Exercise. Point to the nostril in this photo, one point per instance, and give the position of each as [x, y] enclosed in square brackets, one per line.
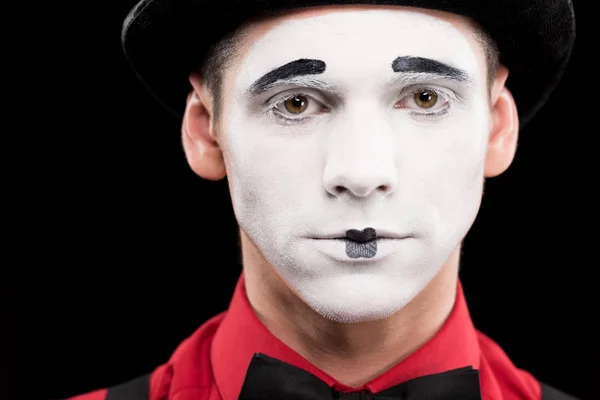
[339, 189]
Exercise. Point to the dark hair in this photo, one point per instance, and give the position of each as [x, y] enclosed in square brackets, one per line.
[216, 61]
[220, 55]
[490, 48]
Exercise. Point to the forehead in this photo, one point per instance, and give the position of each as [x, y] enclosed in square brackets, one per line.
[357, 42]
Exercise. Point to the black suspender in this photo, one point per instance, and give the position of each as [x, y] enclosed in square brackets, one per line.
[551, 393]
[135, 389]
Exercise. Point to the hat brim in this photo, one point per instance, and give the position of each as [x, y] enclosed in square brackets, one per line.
[535, 39]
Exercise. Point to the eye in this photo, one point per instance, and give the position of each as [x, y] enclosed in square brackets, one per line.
[425, 100]
[296, 104]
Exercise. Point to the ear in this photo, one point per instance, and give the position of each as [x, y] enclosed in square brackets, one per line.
[504, 132]
[202, 150]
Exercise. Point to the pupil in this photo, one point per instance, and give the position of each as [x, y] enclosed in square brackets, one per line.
[297, 102]
[425, 97]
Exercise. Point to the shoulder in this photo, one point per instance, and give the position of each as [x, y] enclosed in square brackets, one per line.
[514, 383]
[188, 367]
[142, 387]
[94, 395]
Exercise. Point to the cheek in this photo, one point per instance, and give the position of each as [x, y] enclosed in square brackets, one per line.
[269, 170]
[452, 177]
[441, 164]
[460, 162]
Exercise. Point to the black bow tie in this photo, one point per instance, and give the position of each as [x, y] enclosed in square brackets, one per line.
[271, 379]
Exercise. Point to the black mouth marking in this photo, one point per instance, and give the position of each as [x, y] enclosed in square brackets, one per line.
[361, 236]
[361, 243]
[358, 250]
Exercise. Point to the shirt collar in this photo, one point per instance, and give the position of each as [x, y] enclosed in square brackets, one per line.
[241, 334]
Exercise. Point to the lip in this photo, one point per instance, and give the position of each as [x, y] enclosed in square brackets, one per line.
[335, 249]
[341, 234]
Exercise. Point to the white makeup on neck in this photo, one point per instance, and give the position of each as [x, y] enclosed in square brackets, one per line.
[362, 153]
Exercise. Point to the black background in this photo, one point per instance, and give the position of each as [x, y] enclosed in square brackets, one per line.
[108, 264]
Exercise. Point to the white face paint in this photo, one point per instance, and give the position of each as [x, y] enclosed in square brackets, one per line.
[364, 156]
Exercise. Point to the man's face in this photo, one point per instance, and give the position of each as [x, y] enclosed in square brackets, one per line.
[378, 118]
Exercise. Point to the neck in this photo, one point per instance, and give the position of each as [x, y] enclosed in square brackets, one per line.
[355, 353]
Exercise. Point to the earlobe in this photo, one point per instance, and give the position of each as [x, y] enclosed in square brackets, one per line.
[202, 150]
[504, 130]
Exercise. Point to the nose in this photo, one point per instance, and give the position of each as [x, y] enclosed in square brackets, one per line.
[360, 156]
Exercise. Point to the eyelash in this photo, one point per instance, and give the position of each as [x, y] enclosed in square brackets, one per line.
[449, 96]
[272, 105]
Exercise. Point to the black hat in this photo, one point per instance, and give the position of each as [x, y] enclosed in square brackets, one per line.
[535, 39]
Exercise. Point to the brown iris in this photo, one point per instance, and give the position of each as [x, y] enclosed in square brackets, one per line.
[296, 104]
[426, 98]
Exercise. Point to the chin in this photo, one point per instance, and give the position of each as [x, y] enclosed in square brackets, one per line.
[347, 314]
[358, 298]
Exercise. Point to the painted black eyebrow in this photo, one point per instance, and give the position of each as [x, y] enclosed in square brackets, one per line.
[411, 64]
[290, 70]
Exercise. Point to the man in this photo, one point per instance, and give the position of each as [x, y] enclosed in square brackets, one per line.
[356, 139]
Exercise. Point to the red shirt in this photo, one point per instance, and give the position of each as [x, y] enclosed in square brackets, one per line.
[211, 364]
